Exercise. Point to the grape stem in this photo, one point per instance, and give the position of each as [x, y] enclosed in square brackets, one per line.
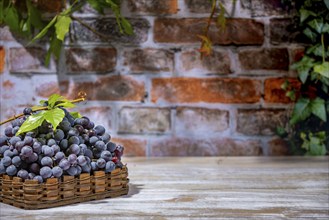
[35, 110]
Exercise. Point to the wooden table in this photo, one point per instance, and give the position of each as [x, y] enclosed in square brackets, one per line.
[208, 187]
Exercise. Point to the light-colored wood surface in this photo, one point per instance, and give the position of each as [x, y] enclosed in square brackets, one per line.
[208, 187]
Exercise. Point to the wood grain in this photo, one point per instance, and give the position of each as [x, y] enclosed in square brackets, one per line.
[208, 187]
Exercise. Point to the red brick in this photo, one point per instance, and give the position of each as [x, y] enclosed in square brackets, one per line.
[284, 30]
[47, 89]
[296, 54]
[114, 88]
[195, 121]
[144, 120]
[133, 147]
[153, 7]
[205, 147]
[28, 59]
[278, 147]
[266, 59]
[213, 90]
[198, 6]
[275, 94]
[261, 8]
[218, 62]
[260, 121]
[51, 6]
[100, 115]
[149, 60]
[2, 59]
[238, 31]
[100, 60]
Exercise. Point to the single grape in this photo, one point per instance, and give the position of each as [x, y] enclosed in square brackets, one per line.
[85, 121]
[19, 145]
[39, 178]
[34, 168]
[27, 111]
[79, 128]
[106, 155]
[100, 130]
[31, 176]
[64, 144]
[64, 164]
[16, 161]
[55, 148]
[91, 133]
[82, 160]
[100, 145]
[106, 137]
[72, 171]
[77, 121]
[51, 142]
[23, 174]
[28, 140]
[14, 130]
[11, 170]
[110, 146]
[47, 161]
[57, 171]
[6, 161]
[8, 131]
[48, 151]
[119, 164]
[91, 125]
[13, 140]
[59, 134]
[88, 153]
[45, 172]
[83, 149]
[37, 147]
[8, 153]
[2, 168]
[85, 137]
[93, 140]
[3, 148]
[32, 158]
[59, 156]
[26, 151]
[86, 168]
[96, 153]
[93, 166]
[74, 140]
[79, 170]
[72, 158]
[73, 132]
[65, 126]
[109, 167]
[101, 163]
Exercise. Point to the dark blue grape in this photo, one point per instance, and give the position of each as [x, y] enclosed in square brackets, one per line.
[27, 111]
[73, 132]
[11, 170]
[82, 160]
[74, 140]
[2, 168]
[8, 153]
[28, 140]
[101, 163]
[59, 156]
[6, 161]
[85, 121]
[14, 130]
[47, 161]
[19, 145]
[3, 141]
[23, 174]
[37, 147]
[100, 145]
[91, 125]
[31, 176]
[32, 158]
[65, 126]
[64, 164]
[93, 166]
[110, 146]
[72, 171]
[106, 155]
[64, 144]
[79, 128]
[74, 149]
[79, 170]
[14, 140]
[72, 158]
[93, 140]
[45, 172]
[34, 168]
[38, 178]
[59, 134]
[48, 151]
[9, 132]
[16, 161]
[89, 153]
[86, 168]
[106, 137]
[100, 130]
[57, 171]
[55, 148]
[51, 142]
[3, 148]
[109, 167]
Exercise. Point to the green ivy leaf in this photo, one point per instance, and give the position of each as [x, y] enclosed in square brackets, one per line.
[62, 26]
[96, 4]
[11, 18]
[34, 15]
[54, 116]
[316, 147]
[304, 14]
[316, 24]
[45, 30]
[303, 67]
[325, 28]
[291, 95]
[327, 3]
[128, 29]
[76, 114]
[318, 108]
[322, 69]
[310, 34]
[302, 110]
[31, 123]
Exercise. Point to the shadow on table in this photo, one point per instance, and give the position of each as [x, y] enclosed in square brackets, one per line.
[134, 189]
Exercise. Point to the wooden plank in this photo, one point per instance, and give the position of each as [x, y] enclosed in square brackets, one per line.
[208, 187]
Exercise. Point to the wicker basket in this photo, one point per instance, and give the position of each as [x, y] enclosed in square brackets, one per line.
[65, 191]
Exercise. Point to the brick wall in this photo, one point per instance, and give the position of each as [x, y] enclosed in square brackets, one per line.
[153, 92]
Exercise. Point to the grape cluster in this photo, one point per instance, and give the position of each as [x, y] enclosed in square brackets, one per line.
[76, 146]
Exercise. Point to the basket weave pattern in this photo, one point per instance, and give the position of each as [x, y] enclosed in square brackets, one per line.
[29, 194]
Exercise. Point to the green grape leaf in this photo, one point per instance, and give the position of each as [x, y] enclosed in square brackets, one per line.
[76, 114]
[53, 99]
[65, 104]
[302, 110]
[54, 116]
[44, 31]
[304, 14]
[95, 4]
[55, 48]
[128, 29]
[11, 18]
[322, 69]
[327, 3]
[318, 108]
[31, 123]
[34, 16]
[316, 24]
[62, 26]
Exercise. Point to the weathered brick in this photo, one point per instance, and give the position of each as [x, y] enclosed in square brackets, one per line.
[275, 94]
[205, 147]
[267, 59]
[296, 54]
[260, 8]
[153, 6]
[198, 6]
[149, 60]
[100, 115]
[29, 59]
[133, 147]
[218, 62]
[47, 89]
[195, 121]
[109, 29]
[100, 60]
[144, 120]
[284, 30]
[260, 121]
[278, 147]
[2, 59]
[114, 88]
[186, 30]
[50, 6]
[213, 90]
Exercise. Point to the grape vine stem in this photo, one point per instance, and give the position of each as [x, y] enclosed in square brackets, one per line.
[35, 110]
